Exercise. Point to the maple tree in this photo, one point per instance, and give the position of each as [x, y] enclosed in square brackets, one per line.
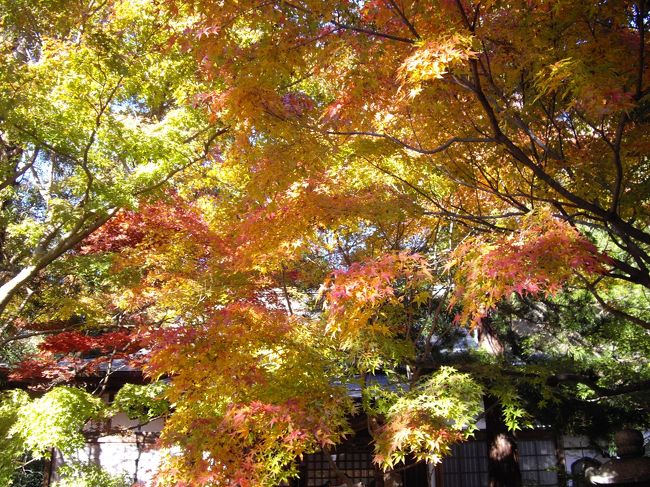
[449, 110]
[462, 112]
[97, 113]
[113, 126]
[426, 165]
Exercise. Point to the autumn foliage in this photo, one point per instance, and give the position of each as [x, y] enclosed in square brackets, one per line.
[539, 258]
[265, 204]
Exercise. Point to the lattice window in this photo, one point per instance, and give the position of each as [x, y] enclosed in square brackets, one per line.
[467, 466]
[357, 464]
[537, 462]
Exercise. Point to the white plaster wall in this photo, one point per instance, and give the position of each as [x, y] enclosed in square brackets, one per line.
[130, 450]
[118, 455]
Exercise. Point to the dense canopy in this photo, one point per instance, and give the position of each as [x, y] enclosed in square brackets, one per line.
[259, 204]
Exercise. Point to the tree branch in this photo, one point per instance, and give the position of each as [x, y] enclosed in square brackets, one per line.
[441, 148]
[405, 20]
[371, 32]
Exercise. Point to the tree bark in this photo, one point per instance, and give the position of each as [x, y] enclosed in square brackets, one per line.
[8, 289]
[503, 457]
[67, 242]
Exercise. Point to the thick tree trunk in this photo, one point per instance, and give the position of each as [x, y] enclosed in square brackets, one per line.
[503, 457]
